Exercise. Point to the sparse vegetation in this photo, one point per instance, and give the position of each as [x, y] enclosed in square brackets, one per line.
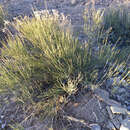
[1, 18]
[118, 18]
[113, 23]
[2, 33]
[40, 66]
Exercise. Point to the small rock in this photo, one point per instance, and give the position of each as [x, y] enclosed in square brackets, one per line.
[120, 118]
[116, 123]
[13, 99]
[111, 126]
[73, 2]
[95, 127]
[125, 125]
[119, 98]
[115, 120]
[121, 90]
[118, 110]
[128, 108]
[112, 103]
[2, 116]
[109, 112]
[124, 83]
[3, 125]
[102, 93]
[109, 82]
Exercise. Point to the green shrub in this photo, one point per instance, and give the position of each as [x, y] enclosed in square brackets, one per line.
[1, 18]
[112, 23]
[93, 22]
[118, 18]
[44, 65]
[3, 35]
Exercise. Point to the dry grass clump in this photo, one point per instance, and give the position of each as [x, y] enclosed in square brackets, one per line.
[118, 18]
[2, 34]
[44, 65]
[112, 22]
[1, 18]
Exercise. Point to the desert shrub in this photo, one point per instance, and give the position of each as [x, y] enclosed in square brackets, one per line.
[1, 18]
[118, 18]
[112, 23]
[44, 65]
[93, 22]
[3, 35]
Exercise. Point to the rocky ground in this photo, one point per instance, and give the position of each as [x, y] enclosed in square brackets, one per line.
[102, 109]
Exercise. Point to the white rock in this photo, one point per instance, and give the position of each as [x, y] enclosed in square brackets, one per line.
[3, 125]
[118, 110]
[73, 2]
[125, 125]
[95, 127]
[124, 83]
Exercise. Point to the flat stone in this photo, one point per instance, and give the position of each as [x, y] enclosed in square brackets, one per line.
[111, 126]
[109, 112]
[112, 102]
[91, 110]
[95, 127]
[116, 123]
[115, 120]
[101, 93]
[40, 126]
[118, 110]
[125, 125]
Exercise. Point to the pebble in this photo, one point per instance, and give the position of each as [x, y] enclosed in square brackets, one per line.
[125, 125]
[95, 127]
[121, 90]
[102, 93]
[73, 2]
[111, 126]
[3, 125]
[128, 108]
[118, 110]
[116, 122]
[109, 82]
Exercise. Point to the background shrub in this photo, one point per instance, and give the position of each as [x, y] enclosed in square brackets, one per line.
[3, 35]
[118, 19]
[1, 18]
[112, 23]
